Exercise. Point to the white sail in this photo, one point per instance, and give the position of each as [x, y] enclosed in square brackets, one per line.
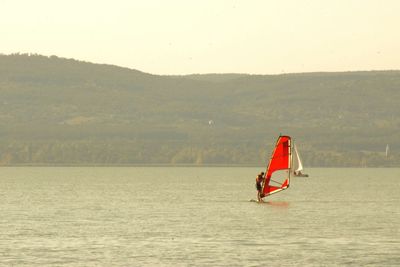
[299, 165]
[387, 150]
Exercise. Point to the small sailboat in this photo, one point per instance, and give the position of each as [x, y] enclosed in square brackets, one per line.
[277, 176]
[297, 164]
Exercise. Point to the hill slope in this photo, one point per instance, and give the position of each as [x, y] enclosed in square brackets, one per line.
[63, 111]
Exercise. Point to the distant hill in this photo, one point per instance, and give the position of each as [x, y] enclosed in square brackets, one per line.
[63, 111]
[214, 77]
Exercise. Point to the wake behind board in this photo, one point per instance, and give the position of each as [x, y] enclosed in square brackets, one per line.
[279, 204]
[256, 201]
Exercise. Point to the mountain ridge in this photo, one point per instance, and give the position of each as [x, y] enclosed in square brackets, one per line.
[50, 105]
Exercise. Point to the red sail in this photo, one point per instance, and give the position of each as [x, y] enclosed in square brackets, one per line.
[280, 160]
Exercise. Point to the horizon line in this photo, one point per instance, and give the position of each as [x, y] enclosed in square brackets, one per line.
[30, 54]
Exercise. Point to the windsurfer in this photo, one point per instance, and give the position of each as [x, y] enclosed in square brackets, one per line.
[259, 182]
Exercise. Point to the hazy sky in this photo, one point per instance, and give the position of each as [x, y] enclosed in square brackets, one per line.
[209, 36]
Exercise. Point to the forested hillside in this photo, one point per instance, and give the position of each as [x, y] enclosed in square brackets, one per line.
[63, 111]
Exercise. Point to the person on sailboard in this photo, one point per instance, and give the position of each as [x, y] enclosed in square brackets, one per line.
[259, 182]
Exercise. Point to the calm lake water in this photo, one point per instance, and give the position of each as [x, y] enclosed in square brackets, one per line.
[197, 217]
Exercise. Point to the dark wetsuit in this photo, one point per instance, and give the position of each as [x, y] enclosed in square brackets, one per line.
[259, 181]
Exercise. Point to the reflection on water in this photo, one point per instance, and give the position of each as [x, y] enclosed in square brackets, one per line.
[196, 217]
[279, 204]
